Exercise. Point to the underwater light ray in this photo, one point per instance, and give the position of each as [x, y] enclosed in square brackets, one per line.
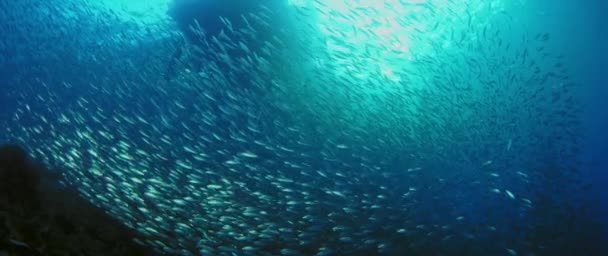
[395, 30]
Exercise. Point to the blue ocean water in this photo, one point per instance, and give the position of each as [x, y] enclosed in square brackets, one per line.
[321, 127]
[580, 33]
[584, 39]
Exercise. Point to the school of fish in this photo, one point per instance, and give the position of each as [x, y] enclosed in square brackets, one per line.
[432, 127]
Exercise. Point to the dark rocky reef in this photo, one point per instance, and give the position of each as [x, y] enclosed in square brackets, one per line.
[38, 216]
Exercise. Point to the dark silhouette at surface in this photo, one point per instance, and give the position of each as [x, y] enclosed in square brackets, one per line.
[205, 14]
[38, 216]
[186, 13]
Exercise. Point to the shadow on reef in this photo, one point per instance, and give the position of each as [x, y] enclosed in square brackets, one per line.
[38, 216]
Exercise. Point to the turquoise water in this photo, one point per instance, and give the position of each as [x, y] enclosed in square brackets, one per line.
[320, 127]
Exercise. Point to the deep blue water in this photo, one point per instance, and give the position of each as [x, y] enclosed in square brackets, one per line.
[585, 40]
[304, 159]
